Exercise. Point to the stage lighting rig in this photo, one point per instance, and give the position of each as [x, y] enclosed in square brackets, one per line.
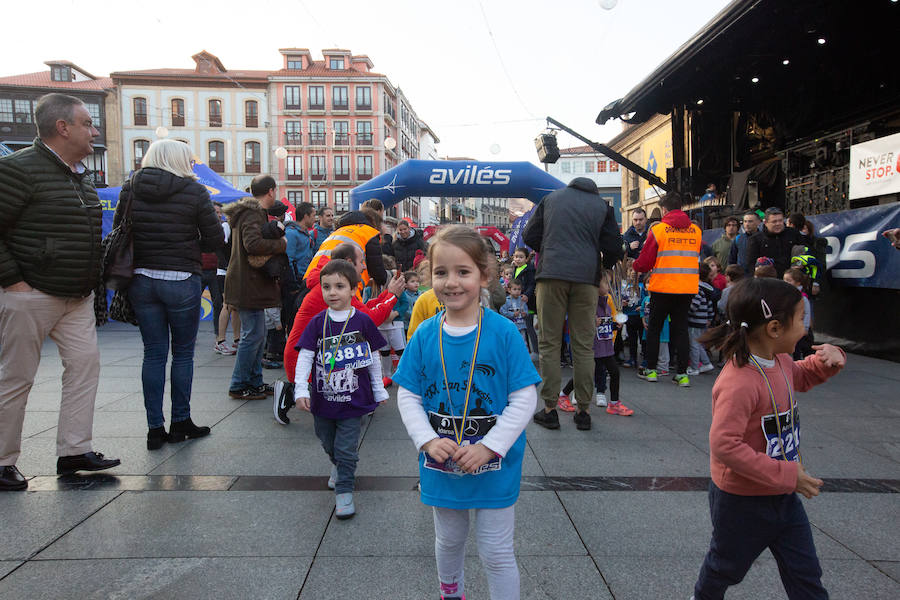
[547, 150]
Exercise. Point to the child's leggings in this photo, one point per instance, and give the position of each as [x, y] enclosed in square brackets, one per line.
[494, 529]
[601, 367]
[635, 331]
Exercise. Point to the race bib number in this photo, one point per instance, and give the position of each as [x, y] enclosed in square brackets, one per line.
[474, 429]
[789, 439]
[353, 351]
[605, 329]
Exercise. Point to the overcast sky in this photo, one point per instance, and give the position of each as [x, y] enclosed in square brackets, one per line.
[483, 74]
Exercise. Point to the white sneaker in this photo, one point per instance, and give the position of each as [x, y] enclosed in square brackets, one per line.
[692, 371]
[332, 479]
[343, 506]
[706, 368]
[600, 399]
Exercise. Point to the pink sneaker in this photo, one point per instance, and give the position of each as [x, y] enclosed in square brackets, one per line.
[224, 348]
[564, 404]
[617, 408]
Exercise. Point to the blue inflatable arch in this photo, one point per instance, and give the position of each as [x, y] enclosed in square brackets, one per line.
[457, 178]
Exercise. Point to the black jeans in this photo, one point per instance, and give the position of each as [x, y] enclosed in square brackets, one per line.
[675, 306]
[744, 526]
[635, 327]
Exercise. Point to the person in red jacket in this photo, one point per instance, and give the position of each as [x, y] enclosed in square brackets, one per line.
[754, 442]
[378, 309]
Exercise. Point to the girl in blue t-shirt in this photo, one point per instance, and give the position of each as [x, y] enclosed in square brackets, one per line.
[467, 391]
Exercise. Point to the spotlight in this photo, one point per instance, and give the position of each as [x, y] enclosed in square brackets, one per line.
[755, 80]
[785, 62]
[821, 41]
[547, 150]
[700, 102]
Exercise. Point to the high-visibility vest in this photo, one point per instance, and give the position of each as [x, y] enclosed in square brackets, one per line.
[358, 235]
[677, 268]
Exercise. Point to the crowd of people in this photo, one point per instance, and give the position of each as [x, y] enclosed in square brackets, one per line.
[347, 311]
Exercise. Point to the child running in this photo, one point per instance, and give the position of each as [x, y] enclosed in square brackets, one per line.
[754, 441]
[347, 382]
[467, 391]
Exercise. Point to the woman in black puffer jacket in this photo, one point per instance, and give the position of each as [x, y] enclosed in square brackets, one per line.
[173, 221]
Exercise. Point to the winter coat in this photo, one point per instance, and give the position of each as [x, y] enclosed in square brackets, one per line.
[405, 249]
[50, 223]
[576, 234]
[775, 246]
[319, 235]
[526, 275]
[299, 247]
[632, 235]
[172, 221]
[246, 287]
[721, 248]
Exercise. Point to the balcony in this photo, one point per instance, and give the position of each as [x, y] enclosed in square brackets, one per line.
[140, 119]
[340, 106]
[177, 120]
[316, 106]
[342, 176]
[217, 166]
[363, 176]
[341, 139]
[363, 139]
[251, 167]
[295, 176]
[251, 122]
[363, 106]
[316, 139]
[293, 138]
[318, 176]
[215, 120]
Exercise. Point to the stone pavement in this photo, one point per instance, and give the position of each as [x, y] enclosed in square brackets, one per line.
[617, 512]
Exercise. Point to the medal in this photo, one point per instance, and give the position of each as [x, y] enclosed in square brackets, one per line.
[791, 404]
[459, 432]
[336, 346]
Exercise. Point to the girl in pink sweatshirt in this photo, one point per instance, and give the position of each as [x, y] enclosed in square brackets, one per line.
[755, 459]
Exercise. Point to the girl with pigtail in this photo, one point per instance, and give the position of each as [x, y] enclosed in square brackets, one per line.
[754, 440]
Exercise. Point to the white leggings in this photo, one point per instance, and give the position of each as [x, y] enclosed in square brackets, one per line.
[494, 529]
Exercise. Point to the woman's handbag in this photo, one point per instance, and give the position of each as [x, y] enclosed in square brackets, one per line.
[118, 250]
[120, 308]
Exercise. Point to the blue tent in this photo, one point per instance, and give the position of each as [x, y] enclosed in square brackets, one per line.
[4, 150]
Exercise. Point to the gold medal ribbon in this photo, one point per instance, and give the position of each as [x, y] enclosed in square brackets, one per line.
[775, 406]
[338, 345]
[458, 432]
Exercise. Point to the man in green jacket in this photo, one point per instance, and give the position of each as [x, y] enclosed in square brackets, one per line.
[50, 220]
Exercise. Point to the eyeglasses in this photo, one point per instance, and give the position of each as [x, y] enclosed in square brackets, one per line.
[84, 204]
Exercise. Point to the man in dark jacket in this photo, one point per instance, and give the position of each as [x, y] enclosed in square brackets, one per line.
[249, 289]
[636, 234]
[775, 241]
[50, 220]
[324, 227]
[576, 235]
[406, 243]
[750, 226]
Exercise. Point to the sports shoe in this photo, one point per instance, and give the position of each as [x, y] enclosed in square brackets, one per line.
[662, 372]
[266, 389]
[617, 408]
[647, 374]
[706, 368]
[343, 506]
[271, 364]
[224, 348]
[332, 478]
[628, 364]
[246, 394]
[564, 404]
[550, 420]
[692, 371]
[582, 420]
[387, 382]
[681, 380]
[600, 399]
[284, 400]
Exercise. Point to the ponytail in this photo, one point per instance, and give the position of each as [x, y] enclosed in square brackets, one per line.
[731, 341]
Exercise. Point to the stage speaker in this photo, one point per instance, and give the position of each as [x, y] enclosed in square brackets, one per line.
[547, 150]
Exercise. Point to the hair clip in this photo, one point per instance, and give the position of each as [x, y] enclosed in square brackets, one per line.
[767, 312]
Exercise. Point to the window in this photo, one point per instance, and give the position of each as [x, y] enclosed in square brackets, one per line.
[140, 149]
[177, 112]
[613, 166]
[140, 111]
[217, 156]
[317, 133]
[295, 198]
[292, 133]
[23, 111]
[341, 133]
[292, 97]
[251, 157]
[363, 98]
[317, 168]
[577, 166]
[317, 97]
[319, 198]
[295, 63]
[251, 113]
[601, 166]
[342, 167]
[6, 110]
[588, 166]
[341, 201]
[339, 98]
[294, 168]
[336, 63]
[93, 109]
[364, 133]
[364, 167]
[215, 113]
[60, 73]
[565, 167]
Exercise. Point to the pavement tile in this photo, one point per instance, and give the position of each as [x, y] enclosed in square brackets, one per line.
[388, 457]
[134, 423]
[200, 524]
[824, 456]
[889, 450]
[7, 566]
[264, 426]
[864, 523]
[892, 568]
[39, 454]
[38, 421]
[49, 400]
[159, 579]
[591, 454]
[857, 579]
[222, 455]
[610, 427]
[853, 428]
[32, 520]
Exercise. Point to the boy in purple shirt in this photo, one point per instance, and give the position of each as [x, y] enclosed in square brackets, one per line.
[346, 384]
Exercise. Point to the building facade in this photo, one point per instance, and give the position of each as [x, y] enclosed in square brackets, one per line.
[19, 94]
[584, 161]
[222, 115]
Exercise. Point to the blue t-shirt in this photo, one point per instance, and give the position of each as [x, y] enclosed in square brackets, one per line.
[348, 391]
[501, 367]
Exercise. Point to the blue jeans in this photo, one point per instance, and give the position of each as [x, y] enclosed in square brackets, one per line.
[340, 439]
[248, 362]
[164, 309]
[744, 526]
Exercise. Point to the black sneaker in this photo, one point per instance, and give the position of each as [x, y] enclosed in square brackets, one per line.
[550, 420]
[246, 394]
[284, 400]
[11, 480]
[265, 389]
[184, 430]
[583, 420]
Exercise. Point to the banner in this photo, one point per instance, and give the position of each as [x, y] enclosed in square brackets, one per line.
[875, 167]
[858, 255]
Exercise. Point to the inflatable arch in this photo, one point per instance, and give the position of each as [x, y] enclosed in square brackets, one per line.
[457, 179]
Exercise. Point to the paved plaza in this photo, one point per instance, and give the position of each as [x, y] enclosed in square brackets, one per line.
[617, 512]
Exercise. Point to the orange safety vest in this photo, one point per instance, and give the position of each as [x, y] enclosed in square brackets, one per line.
[358, 235]
[677, 260]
